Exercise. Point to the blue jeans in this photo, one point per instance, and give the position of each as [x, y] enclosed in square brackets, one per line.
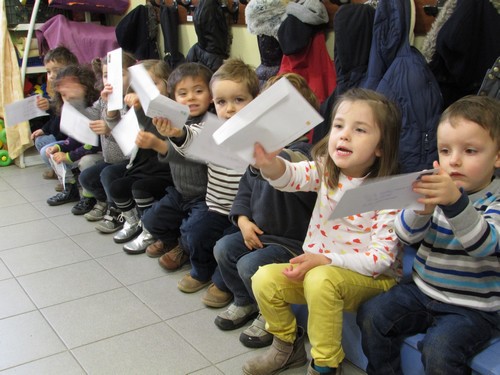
[237, 264]
[42, 143]
[453, 333]
[173, 219]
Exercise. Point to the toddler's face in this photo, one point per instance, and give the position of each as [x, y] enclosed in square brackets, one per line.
[53, 67]
[230, 97]
[193, 92]
[71, 90]
[467, 153]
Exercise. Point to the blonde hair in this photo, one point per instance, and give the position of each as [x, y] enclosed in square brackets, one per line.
[299, 83]
[388, 119]
[237, 71]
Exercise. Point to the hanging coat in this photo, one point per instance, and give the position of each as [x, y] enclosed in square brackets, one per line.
[169, 21]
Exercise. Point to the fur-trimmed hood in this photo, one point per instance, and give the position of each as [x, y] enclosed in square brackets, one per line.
[264, 17]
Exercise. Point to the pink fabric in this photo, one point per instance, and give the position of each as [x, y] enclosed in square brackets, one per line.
[86, 40]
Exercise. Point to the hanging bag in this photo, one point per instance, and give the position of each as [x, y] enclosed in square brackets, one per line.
[94, 6]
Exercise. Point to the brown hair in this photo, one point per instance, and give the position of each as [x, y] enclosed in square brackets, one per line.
[483, 110]
[388, 119]
[189, 69]
[62, 55]
[299, 83]
[236, 70]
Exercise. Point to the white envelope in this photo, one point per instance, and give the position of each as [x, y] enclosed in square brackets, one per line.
[125, 132]
[22, 110]
[275, 118]
[381, 194]
[115, 78]
[153, 103]
[77, 126]
[203, 146]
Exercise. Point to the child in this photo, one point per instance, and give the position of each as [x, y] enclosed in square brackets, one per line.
[183, 205]
[233, 86]
[455, 296]
[49, 133]
[75, 85]
[346, 261]
[145, 178]
[93, 204]
[265, 237]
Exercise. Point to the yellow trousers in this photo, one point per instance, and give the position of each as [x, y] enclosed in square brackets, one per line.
[327, 291]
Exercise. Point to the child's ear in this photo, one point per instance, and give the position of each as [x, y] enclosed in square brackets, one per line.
[497, 160]
[378, 152]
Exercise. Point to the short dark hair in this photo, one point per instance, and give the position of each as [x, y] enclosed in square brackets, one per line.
[61, 55]
[189, 69]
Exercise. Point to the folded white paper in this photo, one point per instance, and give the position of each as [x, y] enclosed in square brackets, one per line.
[153, 103]
[380, 194]
[203, 146]
[125, 133]
[76, 125]
[275, 118]
[22, 110]
[59, 169]
[115, 78]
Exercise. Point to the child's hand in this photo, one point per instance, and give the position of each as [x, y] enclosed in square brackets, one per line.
[51, 150]
[269, 165]
[437, 189]
[99, 127]
[301, 264]
[146, 140]
[250, 233]
[42, 103]
[132, 101]
[165, 128]
[106, 91]
[37, 133]
[59, 157]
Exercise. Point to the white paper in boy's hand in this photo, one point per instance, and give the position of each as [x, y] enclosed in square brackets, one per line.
[385, 193]
[22, 110]
[203, 146]
[59, 169]
[275, 118]
[77, 126]
[125, 133]
[115, 78]
[153, 103]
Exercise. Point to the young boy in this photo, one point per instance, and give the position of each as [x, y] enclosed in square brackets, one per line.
[266, 235]
[455, 294]
[233, 86]
[49, 133]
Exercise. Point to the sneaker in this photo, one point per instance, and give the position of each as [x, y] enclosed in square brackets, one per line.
[59, 187]
[112, 222]
[174, 259]
[256, 335]
[97, 212]
[236, 316]
[139, 244]
[188, 284]
[70, 194]
[214, 297]
[49, 174]
[83, 206]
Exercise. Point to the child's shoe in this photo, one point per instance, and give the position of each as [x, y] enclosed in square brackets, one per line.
[70, 194]
[158, 248]
[140, 243]
[59, 187]
[49, 174]
[112, 221]
[188, 284]
[236, 316]
[131, 227]
[97, 212]
[174, 259]
[332, 371]
[280, 356]
[256, 335]
[83, 206]
[214, 297]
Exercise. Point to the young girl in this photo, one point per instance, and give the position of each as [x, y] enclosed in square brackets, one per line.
[145, 177]
[75, 85]
[94, 202]
[346, 261]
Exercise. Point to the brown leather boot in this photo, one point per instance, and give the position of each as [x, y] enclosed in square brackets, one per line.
[279, 357]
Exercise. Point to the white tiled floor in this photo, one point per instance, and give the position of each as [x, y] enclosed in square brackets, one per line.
[72, 302]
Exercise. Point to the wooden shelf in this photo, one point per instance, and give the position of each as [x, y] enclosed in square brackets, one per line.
[36, 69]
[25, 27]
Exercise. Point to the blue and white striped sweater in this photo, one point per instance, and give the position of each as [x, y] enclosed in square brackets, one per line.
[458, 261]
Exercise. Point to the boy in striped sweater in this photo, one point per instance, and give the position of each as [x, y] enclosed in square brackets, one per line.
[455, 293]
